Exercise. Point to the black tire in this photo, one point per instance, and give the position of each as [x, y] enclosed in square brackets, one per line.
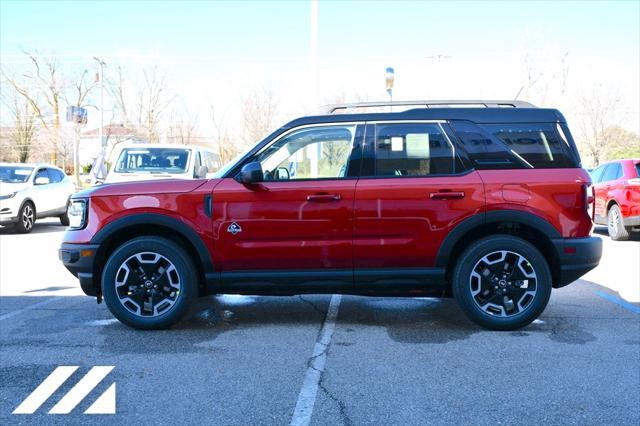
[616, 229]
[64, 219]
[26, 218]
[466, 275]
[172, 253]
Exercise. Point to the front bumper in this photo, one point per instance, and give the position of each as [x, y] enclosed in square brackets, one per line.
[9, 211]
[6, 219]
[79, 259]
[577, 256]
[631, 221]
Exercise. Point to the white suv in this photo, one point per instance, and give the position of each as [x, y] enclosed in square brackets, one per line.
[138, 162]
[31, 191]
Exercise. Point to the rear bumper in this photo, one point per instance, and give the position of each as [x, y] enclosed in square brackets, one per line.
[79, 260]
[631, 221]
[577, 256]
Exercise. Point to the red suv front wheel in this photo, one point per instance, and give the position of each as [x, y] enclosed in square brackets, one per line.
[149, 282]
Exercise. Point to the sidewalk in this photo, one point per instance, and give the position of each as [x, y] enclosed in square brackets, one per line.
[619, 267]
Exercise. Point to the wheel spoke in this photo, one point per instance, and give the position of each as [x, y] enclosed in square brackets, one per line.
[503, 283]
[148, 284]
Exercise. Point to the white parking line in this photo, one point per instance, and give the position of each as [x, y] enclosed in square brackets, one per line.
[307, 396]
[28, 308]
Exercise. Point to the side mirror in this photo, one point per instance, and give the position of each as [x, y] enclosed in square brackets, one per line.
[251, 173]
[202, 171]
[42, 180]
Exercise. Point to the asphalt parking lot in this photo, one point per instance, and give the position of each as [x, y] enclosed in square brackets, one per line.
[270, 360]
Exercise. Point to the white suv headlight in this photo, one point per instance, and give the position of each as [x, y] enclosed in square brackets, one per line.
[77, 214]
[7, 196]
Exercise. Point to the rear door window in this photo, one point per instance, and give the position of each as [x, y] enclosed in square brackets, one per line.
[412, 149]
[42, 173]
[613, 172]
[55, 176]
[539, 144]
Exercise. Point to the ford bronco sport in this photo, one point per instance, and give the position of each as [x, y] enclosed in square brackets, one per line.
[483, 201]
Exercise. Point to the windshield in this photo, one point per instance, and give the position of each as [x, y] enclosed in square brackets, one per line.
[153, 160]
[15, 174]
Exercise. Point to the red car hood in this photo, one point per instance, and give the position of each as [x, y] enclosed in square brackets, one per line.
[169, 186]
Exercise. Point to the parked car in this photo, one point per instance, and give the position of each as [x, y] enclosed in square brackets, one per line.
[31, 191]
[616, 188]
[136, 162]
[488, 205]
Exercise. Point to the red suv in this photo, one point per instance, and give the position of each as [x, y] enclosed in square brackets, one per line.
[484, 201]
[616, 188]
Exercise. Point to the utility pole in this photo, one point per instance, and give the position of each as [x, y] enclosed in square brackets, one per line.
[313, 50]
[101, 64]
[103, 145]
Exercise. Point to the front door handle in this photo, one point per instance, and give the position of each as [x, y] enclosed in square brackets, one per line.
[323, 198]
[446, 195]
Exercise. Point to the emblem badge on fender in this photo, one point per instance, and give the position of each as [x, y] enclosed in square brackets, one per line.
[234, 228]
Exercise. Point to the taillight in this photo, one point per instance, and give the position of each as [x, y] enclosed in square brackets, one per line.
[588, 199]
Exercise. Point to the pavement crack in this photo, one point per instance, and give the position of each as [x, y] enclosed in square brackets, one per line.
[342, 407]
[313, 305]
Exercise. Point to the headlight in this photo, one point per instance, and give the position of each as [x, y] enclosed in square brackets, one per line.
[77, 214]
[7, 196]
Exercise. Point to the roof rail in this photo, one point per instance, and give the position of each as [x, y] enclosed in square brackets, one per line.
[341, 108]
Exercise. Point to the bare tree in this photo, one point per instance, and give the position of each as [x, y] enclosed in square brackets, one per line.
[77, 94]
[227, 148]
[81, 89]
[598, 113]
[153, 100]
[42, 82]
[183, 127]
[115, 86]
[22, 134]
[259, 110]
[539, 80]
[142, 104]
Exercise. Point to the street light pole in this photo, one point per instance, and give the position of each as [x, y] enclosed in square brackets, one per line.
[100, 162]
[313, 50]
[101, 78]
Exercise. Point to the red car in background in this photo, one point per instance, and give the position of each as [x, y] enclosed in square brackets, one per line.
[616, 188]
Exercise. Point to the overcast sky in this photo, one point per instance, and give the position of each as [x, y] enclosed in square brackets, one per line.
[217, 50]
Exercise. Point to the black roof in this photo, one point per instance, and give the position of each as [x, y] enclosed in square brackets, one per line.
[477, 115]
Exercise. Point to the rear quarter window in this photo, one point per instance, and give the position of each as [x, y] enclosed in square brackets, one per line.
[612, 172]
[540, 145]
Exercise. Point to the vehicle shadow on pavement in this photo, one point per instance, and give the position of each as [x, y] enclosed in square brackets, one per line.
[77, 320]
[38, 228]
[602, 230]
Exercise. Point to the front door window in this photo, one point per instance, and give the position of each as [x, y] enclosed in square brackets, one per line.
[311, 153]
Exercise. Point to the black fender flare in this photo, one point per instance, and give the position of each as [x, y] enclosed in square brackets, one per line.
[33, 203]
[512, 216]
[161, 220]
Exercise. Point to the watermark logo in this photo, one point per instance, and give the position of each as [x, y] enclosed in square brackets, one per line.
[105, 404]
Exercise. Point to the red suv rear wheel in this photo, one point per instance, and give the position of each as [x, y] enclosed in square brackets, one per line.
[502, 282]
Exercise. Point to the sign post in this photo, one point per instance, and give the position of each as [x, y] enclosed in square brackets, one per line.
[77, 116]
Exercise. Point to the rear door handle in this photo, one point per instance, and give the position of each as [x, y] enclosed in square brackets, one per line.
[323, 198]
[446, 195]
